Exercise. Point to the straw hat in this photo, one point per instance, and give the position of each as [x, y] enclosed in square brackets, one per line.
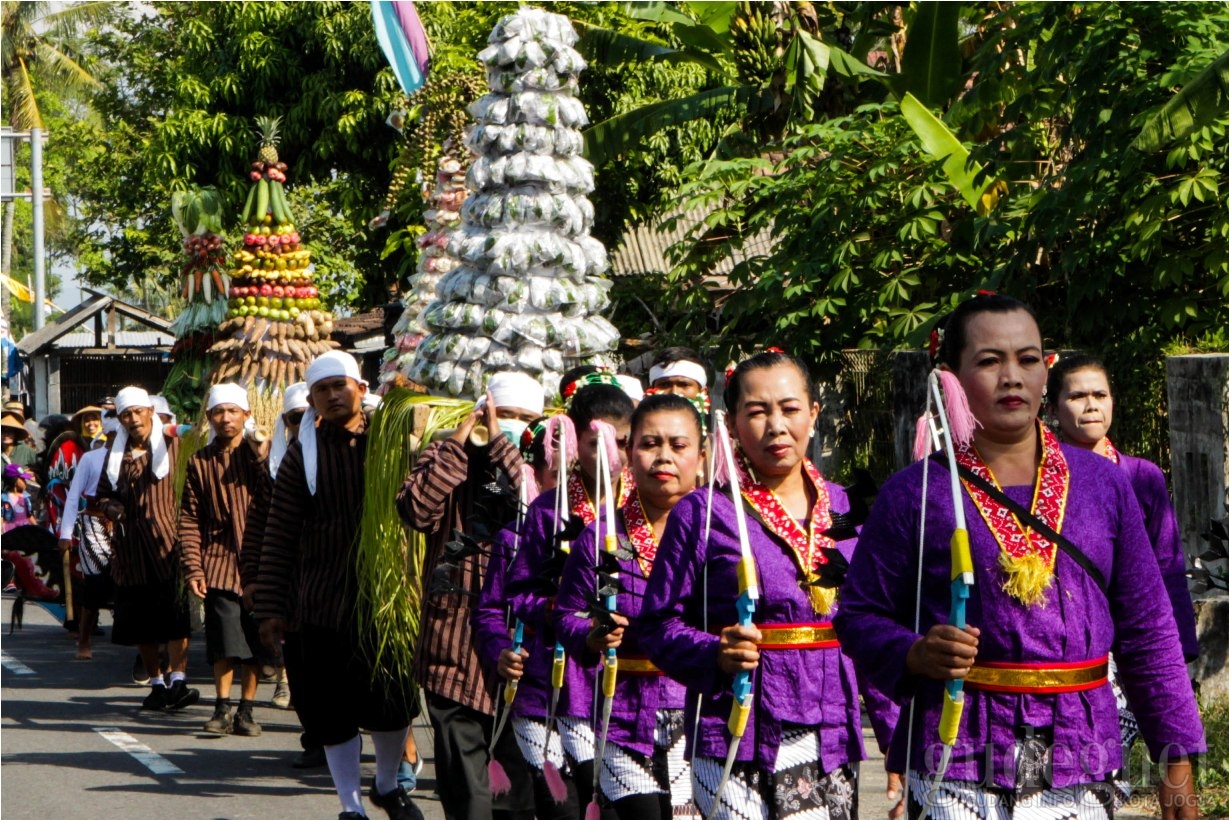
[11, 422]
[15, 408]
[89, 408]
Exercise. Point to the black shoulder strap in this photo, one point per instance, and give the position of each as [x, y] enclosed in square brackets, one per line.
[1031, 521]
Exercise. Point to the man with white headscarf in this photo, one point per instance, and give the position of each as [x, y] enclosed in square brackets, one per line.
[213, 512]
[309, 543]
[137, 492]
[440, 495]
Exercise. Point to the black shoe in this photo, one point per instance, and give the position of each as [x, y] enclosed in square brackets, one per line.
[245, 725]
[397, 803]
[139, 675]
[220, 723]
[312, 758]
[155, 700]
[180, 696]
[351, 815]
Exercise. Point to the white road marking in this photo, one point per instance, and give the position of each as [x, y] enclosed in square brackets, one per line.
[146, 756]
[15, 666]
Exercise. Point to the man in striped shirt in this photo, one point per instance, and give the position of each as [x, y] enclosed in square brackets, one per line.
[137, 492]
[443, 493]
[309, 544]
[217, 493]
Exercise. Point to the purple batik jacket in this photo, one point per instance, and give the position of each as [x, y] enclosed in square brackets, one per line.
[490, 619]
[1162, 524]
[638, 697]
[808, 687]
[533, 602]
[1079, 622]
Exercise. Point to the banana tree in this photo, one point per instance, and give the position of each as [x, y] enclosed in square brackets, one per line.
[768, 61]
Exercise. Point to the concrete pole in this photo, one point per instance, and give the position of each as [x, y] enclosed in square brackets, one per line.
[36, 201]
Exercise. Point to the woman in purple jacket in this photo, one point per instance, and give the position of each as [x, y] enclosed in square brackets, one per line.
[799, 753]
[643, 774]
[1081, 404]
[1039, 734]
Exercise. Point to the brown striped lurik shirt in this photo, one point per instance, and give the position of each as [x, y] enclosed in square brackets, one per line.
[434, 500]
[213, 513]
[143, 543]
[254, 531]
[310, 541]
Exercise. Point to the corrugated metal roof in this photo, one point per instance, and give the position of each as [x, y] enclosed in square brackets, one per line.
[642, 250]
[123, 338]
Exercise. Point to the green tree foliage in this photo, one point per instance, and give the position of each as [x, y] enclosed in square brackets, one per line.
[1120, 251]
[182, 84]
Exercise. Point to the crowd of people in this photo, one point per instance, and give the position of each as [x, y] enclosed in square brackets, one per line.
[637, 608]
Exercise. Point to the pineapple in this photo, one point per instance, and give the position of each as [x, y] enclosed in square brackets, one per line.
[268, 129]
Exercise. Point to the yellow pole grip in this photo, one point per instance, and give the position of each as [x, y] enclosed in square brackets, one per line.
[510, 693]
[609, 675]
[556, 673]
[949, 719]
[738, 717]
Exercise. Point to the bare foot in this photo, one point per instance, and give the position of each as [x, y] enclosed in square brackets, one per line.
[85, 653]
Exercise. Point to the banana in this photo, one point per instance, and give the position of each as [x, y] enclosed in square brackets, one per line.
[247, 206]
[279, 193]
[262, 200]
[275, 203]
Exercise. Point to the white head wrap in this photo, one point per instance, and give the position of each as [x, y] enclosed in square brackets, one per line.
[227, 393]
[683, 367]
[162, 407]
[325, 366]
[510, 388]
[295, 398]
[136, 397]
[631, 386]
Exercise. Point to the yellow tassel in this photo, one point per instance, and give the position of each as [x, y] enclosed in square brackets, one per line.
[1028, 578]
[822, 599]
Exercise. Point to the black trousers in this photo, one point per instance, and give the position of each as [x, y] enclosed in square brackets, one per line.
[462, 736]
[335, 692]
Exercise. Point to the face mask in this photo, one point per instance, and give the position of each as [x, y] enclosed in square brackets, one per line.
[513, 428]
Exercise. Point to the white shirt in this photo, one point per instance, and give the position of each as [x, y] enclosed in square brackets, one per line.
[85, 482]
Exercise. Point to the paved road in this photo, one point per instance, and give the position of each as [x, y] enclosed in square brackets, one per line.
[73, 742]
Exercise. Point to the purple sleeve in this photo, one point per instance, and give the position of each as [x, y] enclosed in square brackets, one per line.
[490, 617]
[576, 595]
[879, 591]
[686, 654]
[1149, 484]
[531, 600]
[1146, 645]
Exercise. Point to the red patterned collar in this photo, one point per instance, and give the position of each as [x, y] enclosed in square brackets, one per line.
[579, 502]
[1111, 452]
[640, 532]
[805, 545]
[1026, 557]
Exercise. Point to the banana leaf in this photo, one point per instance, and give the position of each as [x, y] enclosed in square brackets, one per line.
[1200, 101]
[977, 188]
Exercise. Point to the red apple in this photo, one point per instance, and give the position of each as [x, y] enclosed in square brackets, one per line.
[278, 290]
[266, 290]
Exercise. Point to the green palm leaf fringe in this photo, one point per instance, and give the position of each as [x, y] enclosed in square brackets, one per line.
[391, 555]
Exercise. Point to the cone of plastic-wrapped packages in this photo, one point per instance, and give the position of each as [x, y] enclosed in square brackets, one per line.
[527, 289]
[444, 197]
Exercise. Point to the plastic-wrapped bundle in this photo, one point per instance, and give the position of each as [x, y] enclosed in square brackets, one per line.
[571, 175]
[534, 24]
[536, 139]
[538, 79]
[538, 108]
[572, 216]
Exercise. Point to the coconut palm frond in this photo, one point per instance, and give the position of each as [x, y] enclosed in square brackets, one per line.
[24, 113]
[63, 70]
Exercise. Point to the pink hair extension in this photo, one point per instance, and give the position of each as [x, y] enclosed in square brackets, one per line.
[721, 469]
[554, 782]
[921, 439]
[562, 426]
[592, 811]
[530, 484]
[959, 417]
[612, 444]
[500, 782]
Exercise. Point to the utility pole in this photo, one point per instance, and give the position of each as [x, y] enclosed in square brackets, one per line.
[37, 196]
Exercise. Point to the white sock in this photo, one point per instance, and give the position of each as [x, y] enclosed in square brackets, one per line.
[177, 676]
[156, 680]
[389, 749]
[344, 766]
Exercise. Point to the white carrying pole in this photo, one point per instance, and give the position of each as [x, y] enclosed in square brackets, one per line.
[36, 202]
